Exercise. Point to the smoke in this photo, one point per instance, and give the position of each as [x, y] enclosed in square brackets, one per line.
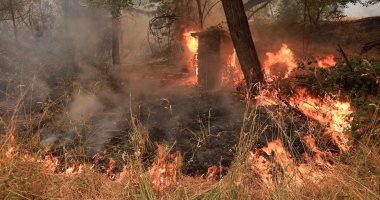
[84, 106]
[68, 64]
[71, 61]
[134, 42]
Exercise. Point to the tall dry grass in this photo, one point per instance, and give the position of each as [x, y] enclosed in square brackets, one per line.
[355, 175]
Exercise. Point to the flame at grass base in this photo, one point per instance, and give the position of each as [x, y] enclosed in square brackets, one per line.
[164, 174]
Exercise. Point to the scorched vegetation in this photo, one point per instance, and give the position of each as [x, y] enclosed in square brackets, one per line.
[203, 99]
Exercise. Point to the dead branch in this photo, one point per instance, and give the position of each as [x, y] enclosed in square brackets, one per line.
[258, 9]
[252, 3]
[340, 50]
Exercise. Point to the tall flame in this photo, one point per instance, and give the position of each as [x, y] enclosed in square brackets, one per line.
[285, 57]
[231, 74]
[162, 173]
[191, 55]
[191, 42]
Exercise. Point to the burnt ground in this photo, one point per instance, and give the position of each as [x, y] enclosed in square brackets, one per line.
[203, 126]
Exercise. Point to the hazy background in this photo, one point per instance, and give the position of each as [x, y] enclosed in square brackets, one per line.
[358, 10]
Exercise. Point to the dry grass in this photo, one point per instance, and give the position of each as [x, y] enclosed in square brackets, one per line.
[20, 179]
[356, 174]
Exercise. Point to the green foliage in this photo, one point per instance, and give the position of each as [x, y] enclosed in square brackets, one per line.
[312, 12]
[114, 6]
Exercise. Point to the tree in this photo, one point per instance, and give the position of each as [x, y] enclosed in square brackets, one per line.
[317, 10]
[8, 11]
[115, 7]
[313, 12]
[13, 19]
[252, 3]
[242, 39]
[204, 8]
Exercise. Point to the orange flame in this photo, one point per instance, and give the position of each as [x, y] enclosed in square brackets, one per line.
[264, 167]
[268, 98]
[212, 172]
[327, 111]
[191, 42]
[319, 157]
[326, 62]
[163, 174]
[232, 60]
[231, 74]
[9, 153]
[265, 162]
[284, 58]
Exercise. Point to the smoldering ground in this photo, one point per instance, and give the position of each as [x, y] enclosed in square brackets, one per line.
[66, 78]
[92, 105]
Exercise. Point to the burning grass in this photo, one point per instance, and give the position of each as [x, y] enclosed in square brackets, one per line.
[354, 175]
[292, 145]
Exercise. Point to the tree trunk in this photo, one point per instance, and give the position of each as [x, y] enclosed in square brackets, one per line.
[13, 20]
[242, 39]
[115, 41]
[200, 14]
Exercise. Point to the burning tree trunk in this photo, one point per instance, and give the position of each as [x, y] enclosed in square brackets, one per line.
[242, 39]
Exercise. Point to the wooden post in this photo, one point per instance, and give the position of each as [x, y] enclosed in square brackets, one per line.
[209, 59]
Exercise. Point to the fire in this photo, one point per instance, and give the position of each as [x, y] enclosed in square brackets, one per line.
[162, 173]
[9, 153]
[284, 58]
[232, 60]
[191, 42]
[319, 157]
[265, 162]
[264, 167]
[212, 172]
[268, 98]
[51, 163]
[191, 55]
[326, 62]
[231, 74]
[274, 162]
[328, 111]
